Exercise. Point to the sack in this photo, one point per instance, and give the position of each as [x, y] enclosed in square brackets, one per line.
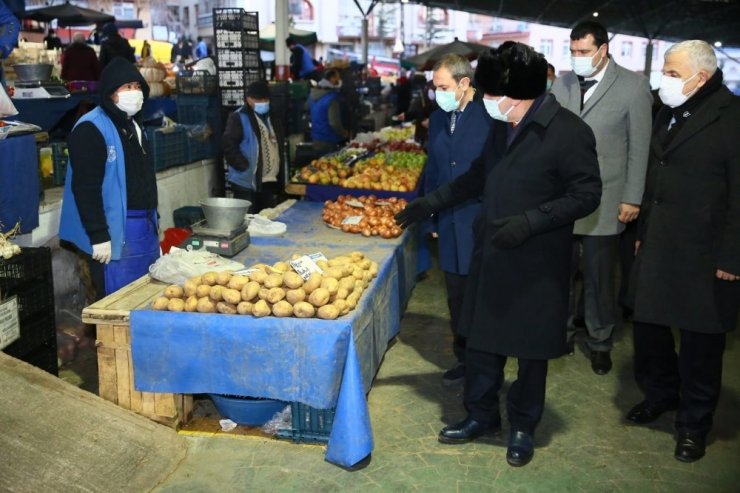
[179, 265]
[7, 108]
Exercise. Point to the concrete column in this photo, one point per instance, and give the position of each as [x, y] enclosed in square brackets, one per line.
[364, 40]
[282, 56]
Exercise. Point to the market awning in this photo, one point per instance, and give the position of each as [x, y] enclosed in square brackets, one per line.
[427, 59]
[710, 20]
[68, 15]
[267, 37]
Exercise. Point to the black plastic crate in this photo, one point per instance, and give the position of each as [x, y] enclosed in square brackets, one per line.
[32, 263]
[229, 59]
[35, 298]
[199, 82]
[60, 158]
[200, 148]
[166, 147]
[234, 19]
[233, 97]
[194, 109]
[309, 424]
[38, 333]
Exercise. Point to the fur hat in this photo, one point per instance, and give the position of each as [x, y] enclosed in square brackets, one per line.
[513, 69]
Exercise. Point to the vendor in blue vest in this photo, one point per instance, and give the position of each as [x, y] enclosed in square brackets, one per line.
[302, 65]
[109, 209]
[324, 103]
[252, 150]
[457, 133]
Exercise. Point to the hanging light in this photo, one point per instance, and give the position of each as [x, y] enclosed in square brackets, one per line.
[595, 14]
[718, 44]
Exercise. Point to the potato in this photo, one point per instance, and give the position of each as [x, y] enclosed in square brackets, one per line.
[223, 278]
[314, 281]
[341, 305]
[227, 308]
[275, 295]
[328, 312]
[206, 305]
[262, 294]
[348, 269]
[342, 294]
[356, 256]
[341, 260]
[303, 310]
[160, 303]
[353, 299]
[196, 280]
[335, 272]
[258, 276]
[261, 309]
[293, 296]
[347, 283]
[231, 296]
[359, 286]
[358, 274]
[208, 278]
[202, 290]
[373, 268]
[274, 281]
[263, 267]
[364, 264]
[296, 256]
[237, 282]
[322, 264]
[216, 293]
[319, 297]
[281, 266]
[176, 305]
[189, 288]
[173, 291]
[292, 280]
[250, 290]
[282, 309]
[330, 284]
[191, 304]
[244, 308]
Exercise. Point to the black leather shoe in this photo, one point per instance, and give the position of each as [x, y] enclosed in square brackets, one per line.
[646, 412]
[521, 448]
[601, 362]
[454, 376]
[465, 431]
[690, 447]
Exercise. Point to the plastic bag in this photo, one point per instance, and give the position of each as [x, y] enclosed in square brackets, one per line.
[7, 108]
[179, 265]
[280, 421]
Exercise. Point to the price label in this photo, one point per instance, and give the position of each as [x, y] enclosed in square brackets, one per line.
[354, 203]
[352, 220]
[305, 266]
[10, 328]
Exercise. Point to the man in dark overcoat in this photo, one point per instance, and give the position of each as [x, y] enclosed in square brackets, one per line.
[536, 175]
[686, 273]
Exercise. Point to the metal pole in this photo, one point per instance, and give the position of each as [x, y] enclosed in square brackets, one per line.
[648, 58]
[364, 40]
[282, 58]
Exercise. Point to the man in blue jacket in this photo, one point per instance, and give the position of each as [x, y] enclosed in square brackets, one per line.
[325, 105]
[9, 29]
[109, 209]
[302, 65]
[457, 132]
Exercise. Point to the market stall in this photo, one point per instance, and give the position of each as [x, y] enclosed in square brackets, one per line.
[327, 365]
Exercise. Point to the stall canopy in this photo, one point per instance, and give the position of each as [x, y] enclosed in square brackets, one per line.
[68, 15]
[267, 37]
[427, 59]
[710, 20]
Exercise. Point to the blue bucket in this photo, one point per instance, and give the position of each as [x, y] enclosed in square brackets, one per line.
[250, 411]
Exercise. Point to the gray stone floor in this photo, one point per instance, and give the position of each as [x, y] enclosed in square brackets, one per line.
[582, 443]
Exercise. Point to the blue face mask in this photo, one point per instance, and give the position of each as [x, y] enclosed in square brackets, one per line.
[261, 108]
[494, 111]
[548, 85]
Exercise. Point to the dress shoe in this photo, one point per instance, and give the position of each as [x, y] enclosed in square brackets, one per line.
[646, 412]
[689, 447]
[454, 376]
[466, 430]
[521, 448]
[601, 362]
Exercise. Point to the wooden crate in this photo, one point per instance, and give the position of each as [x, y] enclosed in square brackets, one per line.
[115, 369]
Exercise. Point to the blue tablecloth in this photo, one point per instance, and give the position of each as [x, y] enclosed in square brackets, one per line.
[320, 363]
[19, 183]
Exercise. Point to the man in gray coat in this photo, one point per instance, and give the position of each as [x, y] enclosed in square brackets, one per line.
[616, 104]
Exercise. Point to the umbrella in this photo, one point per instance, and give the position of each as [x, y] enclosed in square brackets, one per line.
[68, 15]
[267, 37]
[426, 60]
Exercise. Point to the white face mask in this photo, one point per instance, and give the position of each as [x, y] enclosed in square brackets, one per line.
[447, 100]
[493, 109]
[130, 102]
[583, 65]
[671, 90]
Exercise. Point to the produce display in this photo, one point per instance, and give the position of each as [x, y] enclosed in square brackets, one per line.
[7, 248]
[276, 290]
[368, 216]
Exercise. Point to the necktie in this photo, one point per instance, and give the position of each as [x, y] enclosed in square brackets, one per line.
[453, 120]
[585, 86]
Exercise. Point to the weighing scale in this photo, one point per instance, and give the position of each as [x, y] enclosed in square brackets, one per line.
[39, 90]
[222, 242]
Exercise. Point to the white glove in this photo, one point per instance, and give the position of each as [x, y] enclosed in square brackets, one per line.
[101, 252]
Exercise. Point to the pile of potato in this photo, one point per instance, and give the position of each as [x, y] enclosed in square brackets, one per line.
[275, 290]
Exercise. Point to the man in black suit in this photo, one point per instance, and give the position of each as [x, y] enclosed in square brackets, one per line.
[686, 273]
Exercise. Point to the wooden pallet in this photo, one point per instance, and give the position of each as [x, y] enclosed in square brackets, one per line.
[111, 316]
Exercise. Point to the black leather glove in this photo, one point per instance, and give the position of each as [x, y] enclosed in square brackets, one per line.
[415, 211]
[512, 231]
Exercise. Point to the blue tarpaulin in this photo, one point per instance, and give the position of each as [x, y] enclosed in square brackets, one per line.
[19, 183]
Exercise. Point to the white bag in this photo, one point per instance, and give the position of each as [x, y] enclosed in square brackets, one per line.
[7, 108]
[179, 265]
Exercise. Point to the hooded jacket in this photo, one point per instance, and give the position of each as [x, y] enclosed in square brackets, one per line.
[326, 114]
[89, 154]
[115, 46]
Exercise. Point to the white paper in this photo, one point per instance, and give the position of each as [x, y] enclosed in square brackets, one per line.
[305, 266]
[352, 220]
[227, 424]
[10, 328]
